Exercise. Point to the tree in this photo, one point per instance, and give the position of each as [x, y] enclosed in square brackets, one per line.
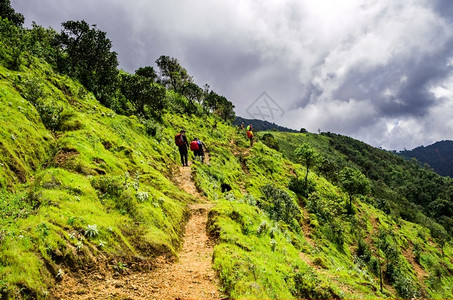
[148, 98]
[269, 140]
[147, 72]
[308, 156]
[211, 101]
[354, 183]
[192, 91]
[225, 109]
[7, 12]
[87, 56]
[172, 74]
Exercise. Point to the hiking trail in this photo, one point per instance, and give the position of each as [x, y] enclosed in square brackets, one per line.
[189, 277]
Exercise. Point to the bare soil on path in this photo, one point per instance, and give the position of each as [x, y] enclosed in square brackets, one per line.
[190, 276]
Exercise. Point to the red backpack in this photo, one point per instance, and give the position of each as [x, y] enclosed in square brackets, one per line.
[179, 141]
[194, 146]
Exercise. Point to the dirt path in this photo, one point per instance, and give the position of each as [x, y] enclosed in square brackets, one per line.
[190, 277]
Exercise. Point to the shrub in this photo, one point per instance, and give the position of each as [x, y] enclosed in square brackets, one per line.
[363, 251]
[334, 232]
[301, 187]
[279, 205]
[50, 115]
[31, 89]
[308, 286]
[269, 140]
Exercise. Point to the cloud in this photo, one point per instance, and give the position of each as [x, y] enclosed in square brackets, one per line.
[370, 69]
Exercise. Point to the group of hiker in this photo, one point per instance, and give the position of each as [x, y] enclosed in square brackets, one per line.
[196, 145]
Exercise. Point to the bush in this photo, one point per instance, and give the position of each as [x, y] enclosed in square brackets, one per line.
[334, 232]
[308, 286]
[50, 115]
[300, 187]
[279, 205]
[269, 140]
[363, 251]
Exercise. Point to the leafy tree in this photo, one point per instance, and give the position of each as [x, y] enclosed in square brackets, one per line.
[7, 12]
[220, 106]
[147, 72]
[12, 44]
[308, 156]
[148, 98]
[192, 92]
[354, 183]
[225, 110]
[87, 56]
[172, 74]
[211, 100]
[42, 43]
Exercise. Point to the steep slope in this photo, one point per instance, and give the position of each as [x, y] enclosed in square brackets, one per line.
[94, 191]
[86, 191]
[82, 187]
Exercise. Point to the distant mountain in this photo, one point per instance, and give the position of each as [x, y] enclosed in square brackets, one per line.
[262, 125]
[438, 156]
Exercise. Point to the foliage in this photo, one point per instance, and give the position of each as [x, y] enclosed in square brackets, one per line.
[7, 12]
[354, 183]
[13, 44]
[438, 156]
[147, 98]
[279, 205]
[172, 74]
[220, 106]
[147, 72]
[308, 156]
[269, 140]
[87, 56]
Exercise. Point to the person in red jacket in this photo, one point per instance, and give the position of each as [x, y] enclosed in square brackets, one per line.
[197, 147]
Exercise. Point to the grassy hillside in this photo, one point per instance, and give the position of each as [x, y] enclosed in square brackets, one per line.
[80, 185]
[83, 188]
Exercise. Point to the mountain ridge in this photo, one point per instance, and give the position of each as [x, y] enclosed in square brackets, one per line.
[438, 156]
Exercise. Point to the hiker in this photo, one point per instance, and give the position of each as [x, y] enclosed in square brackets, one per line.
[181, 142]
[250, 137]
[249, 127]
[197, 147]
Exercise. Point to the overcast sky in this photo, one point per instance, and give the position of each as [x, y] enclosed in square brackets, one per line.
[377, 70]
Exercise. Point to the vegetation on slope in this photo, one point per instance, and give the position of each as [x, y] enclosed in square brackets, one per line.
[84, 185]
[438, 156]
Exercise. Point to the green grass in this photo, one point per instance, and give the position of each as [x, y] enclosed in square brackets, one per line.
[88, 182]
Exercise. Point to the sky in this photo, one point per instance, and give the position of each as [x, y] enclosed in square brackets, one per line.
[380, 71]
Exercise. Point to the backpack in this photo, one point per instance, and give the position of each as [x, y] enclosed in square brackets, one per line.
[249, 134]
[179, 141]
[194, 146]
